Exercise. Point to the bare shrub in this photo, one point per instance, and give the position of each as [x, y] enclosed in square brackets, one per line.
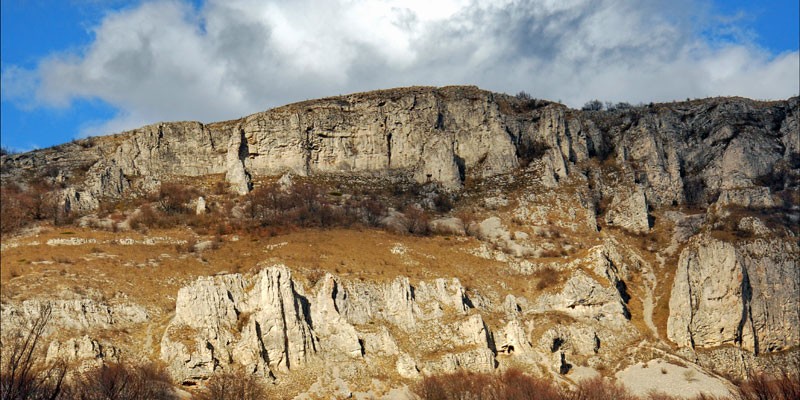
[443, 202]
[122, 381]
[417, 220]
[593, 105]
[598, 389]
[784, 385]
[374, 211]
[546, 277]
[511, 385]
[15, 208]
[24, 374]
[236, 384]
[517, 385]
[173, 198]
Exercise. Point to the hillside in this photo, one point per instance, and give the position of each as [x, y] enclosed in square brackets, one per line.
[353, 245]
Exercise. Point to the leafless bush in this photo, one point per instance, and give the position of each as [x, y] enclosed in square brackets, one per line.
[511, 385]
[24, 375]
[593, 105]
[784, 385]
[417, 220]
[374, 210]
[598, 389]
[14, 208]
[122, 381]
[173, 198]
[547, 277]
[236, 384]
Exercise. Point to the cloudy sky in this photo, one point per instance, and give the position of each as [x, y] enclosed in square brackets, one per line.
[74, 68]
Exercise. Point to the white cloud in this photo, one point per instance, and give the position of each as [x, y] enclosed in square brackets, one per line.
[165, 60]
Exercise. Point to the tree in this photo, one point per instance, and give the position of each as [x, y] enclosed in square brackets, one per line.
[523, 95]
[24, 375]
[593, 105]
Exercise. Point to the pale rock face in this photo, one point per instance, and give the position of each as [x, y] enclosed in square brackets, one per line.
[223, 320]
[75, 200]
[235, 172]
[747, 157]
[379, 343]
[743, 294]
[448, 226]
[628, 210]
[677, 154]
[82, 349]
[265, 323]
[73, 314]
[200, 208]
[435, 298]
[477, 360]
[406, 366]
[584, 297]
[513, 340]
[751, 197]
[400, 306]
[340, 336]
[493, 231]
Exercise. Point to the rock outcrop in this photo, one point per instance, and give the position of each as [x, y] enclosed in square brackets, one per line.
[743, 294]
[678, 153]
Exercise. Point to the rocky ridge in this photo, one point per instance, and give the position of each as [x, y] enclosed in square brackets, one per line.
[713, 183]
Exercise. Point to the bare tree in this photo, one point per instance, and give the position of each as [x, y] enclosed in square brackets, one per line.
[24, 375]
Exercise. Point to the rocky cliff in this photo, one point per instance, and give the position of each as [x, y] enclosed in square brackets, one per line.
[676, 153]
[595, 239]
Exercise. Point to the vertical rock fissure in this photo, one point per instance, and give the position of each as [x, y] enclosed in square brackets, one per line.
[388, 147]
[689, 329]
[285, 328]
[308, 147]
[747, 315]
[261, 348]
[244, 151]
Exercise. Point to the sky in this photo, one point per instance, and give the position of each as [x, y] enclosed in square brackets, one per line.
[76, 68]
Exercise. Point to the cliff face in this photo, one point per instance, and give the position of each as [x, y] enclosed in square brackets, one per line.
[678, 153]
[711, 187]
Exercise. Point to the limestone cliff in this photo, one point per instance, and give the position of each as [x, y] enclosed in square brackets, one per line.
[676, 153]
[585, 240]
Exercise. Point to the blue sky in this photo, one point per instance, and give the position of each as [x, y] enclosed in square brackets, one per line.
[87, 67]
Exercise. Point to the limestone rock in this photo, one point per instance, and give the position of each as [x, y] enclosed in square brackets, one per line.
[629, 211]
[338, 335]
[406, 367]
[200, 208]
[81, 349]
[448, 226]
[744, 294]
[73, 314]
[222, 320]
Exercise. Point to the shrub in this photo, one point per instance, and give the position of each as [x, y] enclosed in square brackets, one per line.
[784, 385]
[511, 385]
[593, 105]
[173, 198]
[236, 384]
[15, 208]
[547, 277]
[122, 381]
[528, 151]
[417, 220]
[599, 389]
[24, 375]
[523, 95]
[373, 210]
